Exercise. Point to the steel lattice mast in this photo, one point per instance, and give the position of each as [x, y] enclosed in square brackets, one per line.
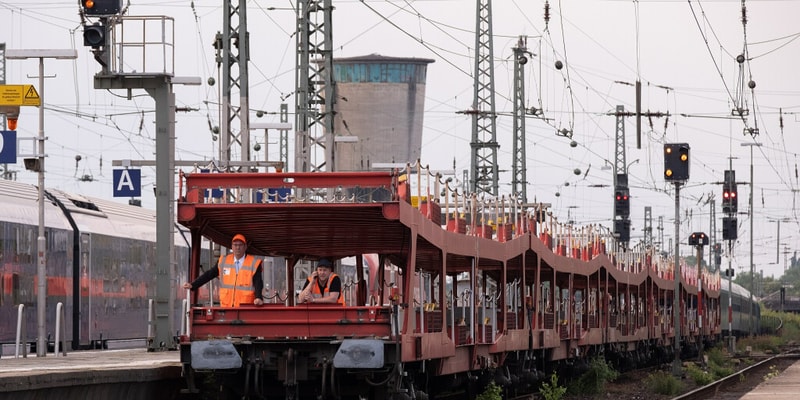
[315, 96]
[519, 180]
[232, 47]
[619, 153]
[484, 172]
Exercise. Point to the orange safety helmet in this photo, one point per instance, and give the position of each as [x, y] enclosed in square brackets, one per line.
[239, 237]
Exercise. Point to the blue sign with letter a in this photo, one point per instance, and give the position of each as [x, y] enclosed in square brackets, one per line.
[127, 182]
[8, 147]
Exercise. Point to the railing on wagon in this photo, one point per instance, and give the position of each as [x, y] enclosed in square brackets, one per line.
[502, 218]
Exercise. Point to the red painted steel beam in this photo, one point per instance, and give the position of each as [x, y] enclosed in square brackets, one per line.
[288, 179]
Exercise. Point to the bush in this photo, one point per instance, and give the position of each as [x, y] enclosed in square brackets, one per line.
[790, 330]
[718, 371]
[716, 355]
[763, 343]
[552, 391]
[698, 375]
[594, 380]
[492, 392]
[664, 383]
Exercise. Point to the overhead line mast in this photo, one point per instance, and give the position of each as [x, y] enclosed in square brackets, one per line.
[315, 96]
[484, 173]
[519, 180]
[232, 47]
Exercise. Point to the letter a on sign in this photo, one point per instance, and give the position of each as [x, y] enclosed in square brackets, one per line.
[127, 182]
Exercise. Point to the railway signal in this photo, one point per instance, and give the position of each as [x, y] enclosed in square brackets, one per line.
[622, 229]
[676, 161]
[94, 35]
[101, 7]
[622, 204]
[729, 228]
[730, 197]
[698, 239]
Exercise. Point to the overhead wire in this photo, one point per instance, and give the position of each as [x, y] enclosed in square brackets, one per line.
[713, 59]
[422, 42]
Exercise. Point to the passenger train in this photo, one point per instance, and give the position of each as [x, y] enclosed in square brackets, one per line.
[100, 263]
[445, 293]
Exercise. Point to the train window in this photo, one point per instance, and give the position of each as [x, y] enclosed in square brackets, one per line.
[24, 244]
[85, 204]
[15, 297]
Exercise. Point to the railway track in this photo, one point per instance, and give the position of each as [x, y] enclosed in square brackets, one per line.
[734, 386]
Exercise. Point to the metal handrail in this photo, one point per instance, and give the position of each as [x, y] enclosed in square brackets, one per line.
[151, 320]
[21, 333]
[185, 309]
[61, 330]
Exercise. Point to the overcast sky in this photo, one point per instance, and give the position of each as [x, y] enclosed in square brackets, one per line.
[682, 51]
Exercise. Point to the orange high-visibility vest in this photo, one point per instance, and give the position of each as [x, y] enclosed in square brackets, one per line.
[315, 288]
[236, 289]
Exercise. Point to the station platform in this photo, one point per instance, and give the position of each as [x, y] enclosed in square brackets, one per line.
[785, 386]
[82, 369]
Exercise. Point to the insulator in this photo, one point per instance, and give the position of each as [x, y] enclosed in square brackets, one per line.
[546, 12]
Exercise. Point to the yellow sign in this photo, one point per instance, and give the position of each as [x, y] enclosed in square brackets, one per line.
[19, 95]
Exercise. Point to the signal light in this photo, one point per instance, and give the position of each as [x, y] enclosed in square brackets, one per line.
[622, 229]
[717, 254]
[729, 226]
[622, 205]
[698, 239]
[101, 7]
[726, 198]
[94, 35]
[12, 123]
[676, 161]
[730, 199]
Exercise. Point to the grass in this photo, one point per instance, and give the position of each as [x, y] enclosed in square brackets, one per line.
[698, 375]
[664, 383]
[552, 390]
[594, 380]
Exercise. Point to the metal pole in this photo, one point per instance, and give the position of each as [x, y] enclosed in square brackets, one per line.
[752, 274]
[730, 291]
[676, 313]
[41, 243]
[700, 303]
[750, 215]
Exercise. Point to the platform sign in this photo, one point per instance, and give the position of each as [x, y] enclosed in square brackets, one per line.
[127, 183]
[19, 95]
[8, 147]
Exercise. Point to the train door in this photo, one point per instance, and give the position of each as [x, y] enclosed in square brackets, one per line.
[85, 265]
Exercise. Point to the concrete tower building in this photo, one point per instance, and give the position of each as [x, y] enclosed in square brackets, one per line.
[380, 103]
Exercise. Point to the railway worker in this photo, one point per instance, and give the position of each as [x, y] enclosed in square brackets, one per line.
[322, 286]
[240, 276]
